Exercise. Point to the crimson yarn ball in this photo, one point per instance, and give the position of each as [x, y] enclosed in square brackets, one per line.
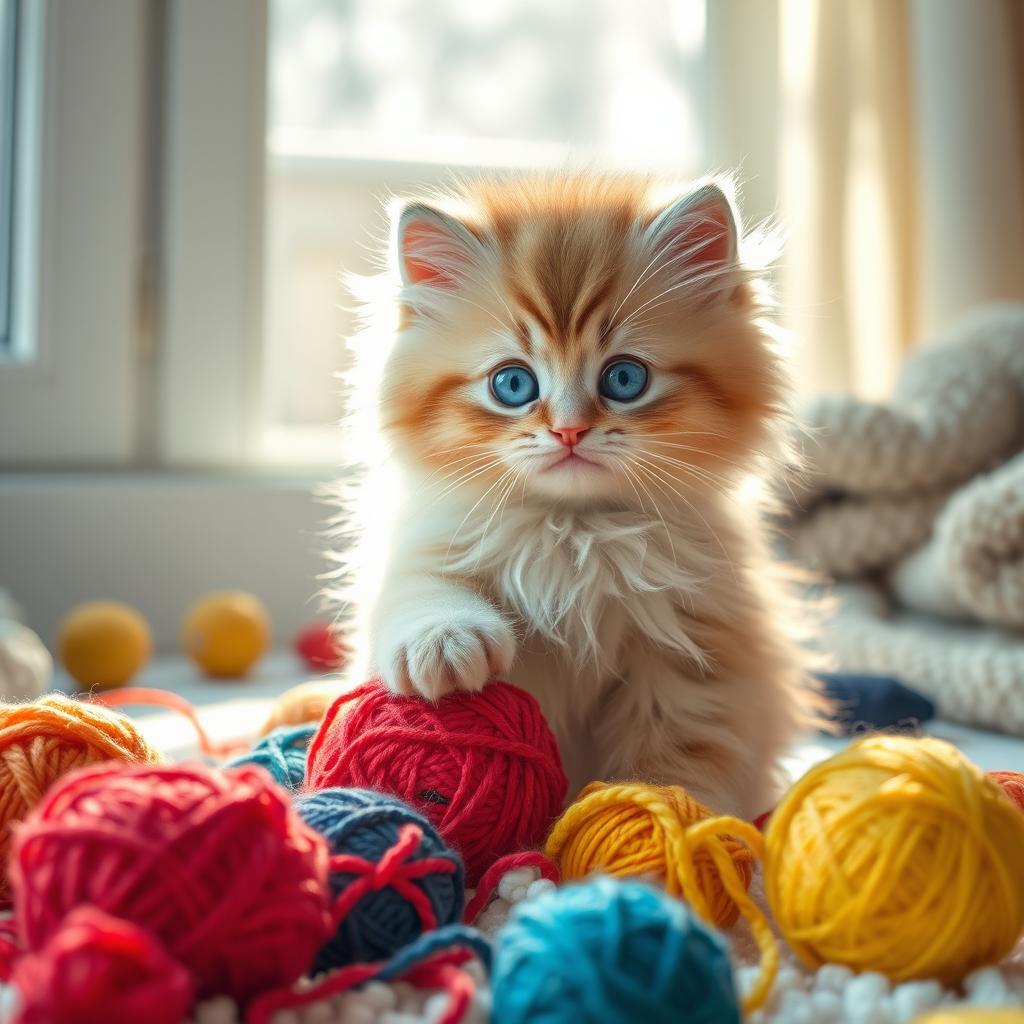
[320, 647]
[1012, 784]
[127, 975]
[216, 867]
[483, 767]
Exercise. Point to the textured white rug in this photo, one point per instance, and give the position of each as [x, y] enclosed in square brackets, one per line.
[831, 995]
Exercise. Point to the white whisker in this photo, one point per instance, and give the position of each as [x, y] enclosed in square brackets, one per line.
[493, 453]
[499, 503]
[657, 473]
[471, 475]
[663, 251]
[657, 510]
[476, 505]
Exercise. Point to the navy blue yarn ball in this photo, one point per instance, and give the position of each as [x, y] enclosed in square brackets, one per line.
[283, 753]
[610, 952]
[366, 824]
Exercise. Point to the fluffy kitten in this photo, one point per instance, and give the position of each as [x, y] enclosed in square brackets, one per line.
[560, 423]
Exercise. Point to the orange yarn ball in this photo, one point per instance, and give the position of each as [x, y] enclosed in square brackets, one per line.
[638, 830]
[1012, 784]
[307, 702]
[43, 740]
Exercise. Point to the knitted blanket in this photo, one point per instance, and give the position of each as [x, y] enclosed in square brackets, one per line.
[919, 501]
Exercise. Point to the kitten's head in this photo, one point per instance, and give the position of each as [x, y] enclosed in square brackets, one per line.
[576, 339]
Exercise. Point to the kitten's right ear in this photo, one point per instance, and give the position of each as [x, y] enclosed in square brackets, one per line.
[434, 248]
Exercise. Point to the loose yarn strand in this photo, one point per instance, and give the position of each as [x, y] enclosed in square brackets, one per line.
[502, 866]
[708, 835]
[150, 697]
[433, 961]
[393, 869]
[633, 829]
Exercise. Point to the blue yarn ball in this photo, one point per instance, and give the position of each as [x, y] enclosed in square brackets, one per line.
[367, 825]
[444, 939]
[283, 753]
[611, 952]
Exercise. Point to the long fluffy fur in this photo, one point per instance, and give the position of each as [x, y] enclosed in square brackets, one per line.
[638, 603]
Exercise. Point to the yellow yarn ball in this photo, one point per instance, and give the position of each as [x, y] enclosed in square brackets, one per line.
[632, 829]
[306, 702]
[897, 855]
[103, 644]
[226, 633]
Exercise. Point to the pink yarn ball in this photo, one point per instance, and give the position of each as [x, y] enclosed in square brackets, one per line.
[1013, 785]
[213, 870]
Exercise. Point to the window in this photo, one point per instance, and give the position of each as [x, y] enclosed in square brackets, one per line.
[73, 95]
[8, 108]
[183, 184]
[368, 97]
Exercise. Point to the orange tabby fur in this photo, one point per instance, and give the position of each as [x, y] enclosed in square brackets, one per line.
[628, 586]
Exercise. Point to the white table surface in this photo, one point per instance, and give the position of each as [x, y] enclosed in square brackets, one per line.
[235, 709]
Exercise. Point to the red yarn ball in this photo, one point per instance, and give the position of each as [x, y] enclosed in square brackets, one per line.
[97, 969]
[1013, 785]
[483, 767]
[215, 866]
[320, 647]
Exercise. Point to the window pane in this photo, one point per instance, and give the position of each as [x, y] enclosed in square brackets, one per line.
[8, 98]
[367, 97]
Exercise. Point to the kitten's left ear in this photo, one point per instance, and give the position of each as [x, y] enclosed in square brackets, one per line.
[433, 247]
[698, 230]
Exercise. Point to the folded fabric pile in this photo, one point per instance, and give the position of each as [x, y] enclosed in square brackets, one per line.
[915, 506]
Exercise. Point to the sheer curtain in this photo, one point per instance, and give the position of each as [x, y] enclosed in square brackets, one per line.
[891, 135]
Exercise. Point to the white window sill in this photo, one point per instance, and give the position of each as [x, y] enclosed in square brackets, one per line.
[235, 710]
[231, 710]
[160, 540]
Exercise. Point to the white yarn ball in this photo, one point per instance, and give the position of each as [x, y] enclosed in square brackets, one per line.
[9, 608]
[26, 668]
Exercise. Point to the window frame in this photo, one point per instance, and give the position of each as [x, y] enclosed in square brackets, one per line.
[213, 399]
[10, 18]
[211, 340]
[174, 370]
[77, 233]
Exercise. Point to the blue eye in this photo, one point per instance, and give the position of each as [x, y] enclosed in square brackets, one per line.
[514, 385]
[623, 380]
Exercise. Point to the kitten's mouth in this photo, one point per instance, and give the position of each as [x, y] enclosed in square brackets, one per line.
[571, 460]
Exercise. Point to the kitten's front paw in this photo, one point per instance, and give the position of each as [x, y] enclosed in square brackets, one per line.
[438, 654]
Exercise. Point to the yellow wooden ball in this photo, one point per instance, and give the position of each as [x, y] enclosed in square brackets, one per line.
[102, 644]
[226, 633]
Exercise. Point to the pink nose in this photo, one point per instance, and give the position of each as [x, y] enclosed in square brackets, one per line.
[569, 436]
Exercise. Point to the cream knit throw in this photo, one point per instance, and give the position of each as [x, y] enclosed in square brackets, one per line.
[958, 408]
[974, 674]
[924, 494]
